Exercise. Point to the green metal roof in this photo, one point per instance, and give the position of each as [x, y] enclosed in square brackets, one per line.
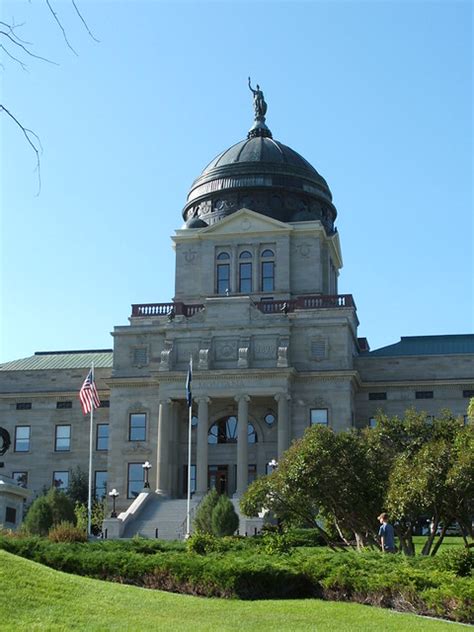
[51, 360]
[427, 345]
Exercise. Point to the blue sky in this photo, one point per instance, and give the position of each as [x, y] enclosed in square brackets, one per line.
[376, 95]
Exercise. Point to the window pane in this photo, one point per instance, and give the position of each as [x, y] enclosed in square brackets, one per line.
[100, 484]
[245, 277]
[102, 442]
[223, 276]
[61, 480]
[252, 435]
[268, 273]
[267, 253]
[63, 438]
[21, 478]
[223, 255]
[137, 431]
[135, 479]
[245, 255]
[319, 416]
[22, 438]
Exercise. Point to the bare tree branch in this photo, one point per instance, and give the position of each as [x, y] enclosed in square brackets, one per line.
[25, 49]
[18, 61]
[12, 27]
[58, 21]
[37, 148]
[84, 22]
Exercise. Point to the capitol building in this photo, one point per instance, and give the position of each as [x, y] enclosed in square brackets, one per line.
[275, 349]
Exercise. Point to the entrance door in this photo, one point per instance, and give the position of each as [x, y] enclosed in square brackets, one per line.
[218, 478]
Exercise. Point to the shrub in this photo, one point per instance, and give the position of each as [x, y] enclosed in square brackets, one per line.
[203, 519]
[67, 532]
[62, 507]
[201, 543]
[39, 518]
[224, 519]
[276, 544]
[458, 560]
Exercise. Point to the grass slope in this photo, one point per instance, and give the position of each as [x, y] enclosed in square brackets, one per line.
[34, 597]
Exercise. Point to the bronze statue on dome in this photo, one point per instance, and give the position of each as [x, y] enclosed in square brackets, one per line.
[259, 103]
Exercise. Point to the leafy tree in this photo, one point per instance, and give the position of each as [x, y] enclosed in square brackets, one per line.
[203, 519]
[39, 518]
[224, 519]
[78, 488]
[49, 510]
[344, 480]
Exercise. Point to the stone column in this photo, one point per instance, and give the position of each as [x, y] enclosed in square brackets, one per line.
[283, 422]
[242, 444]
[201, 449]
[162, 462]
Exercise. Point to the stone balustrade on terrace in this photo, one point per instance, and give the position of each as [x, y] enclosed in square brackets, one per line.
[267, 307]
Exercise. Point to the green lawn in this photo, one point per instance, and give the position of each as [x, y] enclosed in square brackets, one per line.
[34, 597]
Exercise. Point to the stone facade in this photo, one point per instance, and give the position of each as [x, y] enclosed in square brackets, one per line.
[274, 349]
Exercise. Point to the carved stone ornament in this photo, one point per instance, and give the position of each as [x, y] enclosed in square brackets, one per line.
[190, 255]
[243, 361]
[165, 363]
[282, 360]
[203, 363]
[245, 224]
[304, 250]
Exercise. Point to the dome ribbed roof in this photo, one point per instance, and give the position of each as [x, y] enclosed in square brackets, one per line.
[259, 149]
[263, 175]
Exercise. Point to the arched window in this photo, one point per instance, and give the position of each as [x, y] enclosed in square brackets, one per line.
[222, 273]
[225, 431]
[245, 272]
[267, 279]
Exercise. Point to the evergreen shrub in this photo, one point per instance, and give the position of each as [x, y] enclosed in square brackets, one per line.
[224, 519]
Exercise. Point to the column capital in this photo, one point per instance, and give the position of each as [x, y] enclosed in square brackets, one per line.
[245, 398]
[204, 399]
[165, 400]
[282, 396]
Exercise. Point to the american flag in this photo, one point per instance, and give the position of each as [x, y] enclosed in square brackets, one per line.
[88, 394]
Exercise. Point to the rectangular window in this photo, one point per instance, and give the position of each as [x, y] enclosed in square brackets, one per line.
[10, 515]
[20, 478]
[465, 418]
[245, 278]
[100, 484]
[102, 437]
[61, 480]
[377, 396]
[223, 278]
[372, 422]
[140, 356]
[137, 427]
[104, 403]
[268, 276]
[22, 438]
[62, 440]
[319, 416]
[468, 393]
[63, 405]
[135, 479]
[252, 473]
[193, 479]
[23, 406]
[424, 395]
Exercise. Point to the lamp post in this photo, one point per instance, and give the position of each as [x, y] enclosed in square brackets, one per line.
[146, 468]
[113, 494]
[272, 464]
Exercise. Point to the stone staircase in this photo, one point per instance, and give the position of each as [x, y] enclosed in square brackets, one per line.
[160, 518]
[152, 516]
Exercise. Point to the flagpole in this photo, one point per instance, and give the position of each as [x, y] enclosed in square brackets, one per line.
[89, 492]
[188, 510]
[189, 398]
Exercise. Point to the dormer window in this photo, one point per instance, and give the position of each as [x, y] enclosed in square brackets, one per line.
[223, 273]
[245, 272]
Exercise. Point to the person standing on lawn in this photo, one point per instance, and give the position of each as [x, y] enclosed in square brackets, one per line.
[386, 534]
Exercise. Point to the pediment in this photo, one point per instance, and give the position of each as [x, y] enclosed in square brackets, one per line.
[246, 222]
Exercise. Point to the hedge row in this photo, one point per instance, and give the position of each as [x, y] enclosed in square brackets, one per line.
[443, 587]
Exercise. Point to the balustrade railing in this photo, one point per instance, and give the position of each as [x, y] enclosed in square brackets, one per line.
[267, 307]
